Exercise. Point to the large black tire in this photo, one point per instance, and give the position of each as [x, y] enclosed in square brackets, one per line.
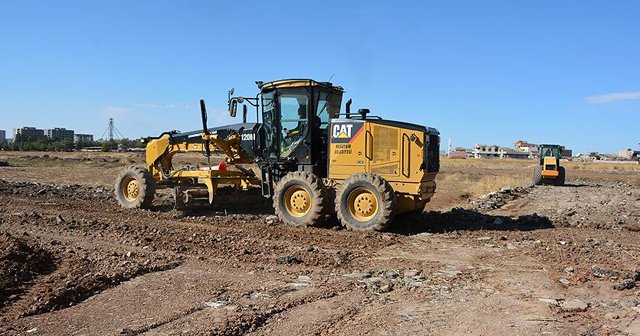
[561, 176]
[365, 202]
[299, 199]
[135, 188]
[537, 175]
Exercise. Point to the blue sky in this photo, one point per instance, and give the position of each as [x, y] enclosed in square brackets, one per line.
[480, 71]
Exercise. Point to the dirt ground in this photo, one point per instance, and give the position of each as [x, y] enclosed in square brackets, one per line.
[520, 261]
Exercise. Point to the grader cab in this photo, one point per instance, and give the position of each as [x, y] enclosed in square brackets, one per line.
[312, 160]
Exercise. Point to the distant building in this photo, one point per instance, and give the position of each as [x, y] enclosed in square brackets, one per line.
[82, 138]
[59, 134]
[30, 133]
[534, 149]
[525, 147]
[495, 151]
[628, 154]
[513, 154]
[486, 151]
[3, 135]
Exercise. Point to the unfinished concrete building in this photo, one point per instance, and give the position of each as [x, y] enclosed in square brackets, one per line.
[59, 134]
[30, 133]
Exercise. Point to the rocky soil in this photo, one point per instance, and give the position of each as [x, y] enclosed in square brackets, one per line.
[534, 260]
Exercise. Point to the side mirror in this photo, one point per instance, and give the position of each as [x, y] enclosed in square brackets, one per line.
[244, 114]
[233, 108]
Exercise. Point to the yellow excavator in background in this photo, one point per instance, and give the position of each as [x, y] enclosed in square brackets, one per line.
[549, 171]
[309, 158]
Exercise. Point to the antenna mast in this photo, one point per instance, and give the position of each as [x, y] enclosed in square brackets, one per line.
[112, 132]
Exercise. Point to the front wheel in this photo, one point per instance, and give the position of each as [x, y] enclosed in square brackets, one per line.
[537, 175]
[299, 199]
[135, 188]
[365, 202]
[561, 176]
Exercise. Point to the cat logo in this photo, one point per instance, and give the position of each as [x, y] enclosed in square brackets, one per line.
[342, 131]
[345, 133]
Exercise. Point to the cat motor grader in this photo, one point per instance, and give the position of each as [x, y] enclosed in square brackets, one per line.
[310, 159]
[548, 170]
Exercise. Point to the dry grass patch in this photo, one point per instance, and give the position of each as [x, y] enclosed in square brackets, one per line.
[489, 184]
[484, 163]
[607, 166]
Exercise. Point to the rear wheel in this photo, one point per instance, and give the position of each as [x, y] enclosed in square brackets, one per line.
[135, 188]
[365, 202]
[299, 199]
[561, 176]
[537, 175]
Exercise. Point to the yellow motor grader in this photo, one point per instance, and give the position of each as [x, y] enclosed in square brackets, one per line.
[549, 171]
[309, 158]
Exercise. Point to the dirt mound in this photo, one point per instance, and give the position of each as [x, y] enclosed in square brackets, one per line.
[498, 199]
[79, 279]
[20, 262]
[74, 191]
[71, 160]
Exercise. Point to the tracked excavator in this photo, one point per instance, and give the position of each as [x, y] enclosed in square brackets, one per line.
[310, 159]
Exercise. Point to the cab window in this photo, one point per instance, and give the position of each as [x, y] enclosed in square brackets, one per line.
[294, 109]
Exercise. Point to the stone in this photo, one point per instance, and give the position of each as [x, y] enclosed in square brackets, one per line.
[574, 305]
[385, 288]
[392, 274]
[271, 219]
[373, 281]
[552, 302]
[215, 304]
[357, 275]
[624, 284]
[598, 272]
[628, 302]
[290, 259]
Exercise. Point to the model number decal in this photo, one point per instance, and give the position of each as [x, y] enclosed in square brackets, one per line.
[342, 149]
[248, 136]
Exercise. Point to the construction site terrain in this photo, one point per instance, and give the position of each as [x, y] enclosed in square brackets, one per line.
[492, 255]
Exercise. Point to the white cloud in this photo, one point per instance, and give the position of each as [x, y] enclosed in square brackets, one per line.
[612, 97]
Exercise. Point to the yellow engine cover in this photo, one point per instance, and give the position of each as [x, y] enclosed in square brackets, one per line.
[550, 167]
[394, 153]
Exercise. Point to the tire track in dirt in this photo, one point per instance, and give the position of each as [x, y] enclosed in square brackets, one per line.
[474, 265]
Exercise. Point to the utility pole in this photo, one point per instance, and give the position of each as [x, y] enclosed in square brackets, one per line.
[449, 148]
